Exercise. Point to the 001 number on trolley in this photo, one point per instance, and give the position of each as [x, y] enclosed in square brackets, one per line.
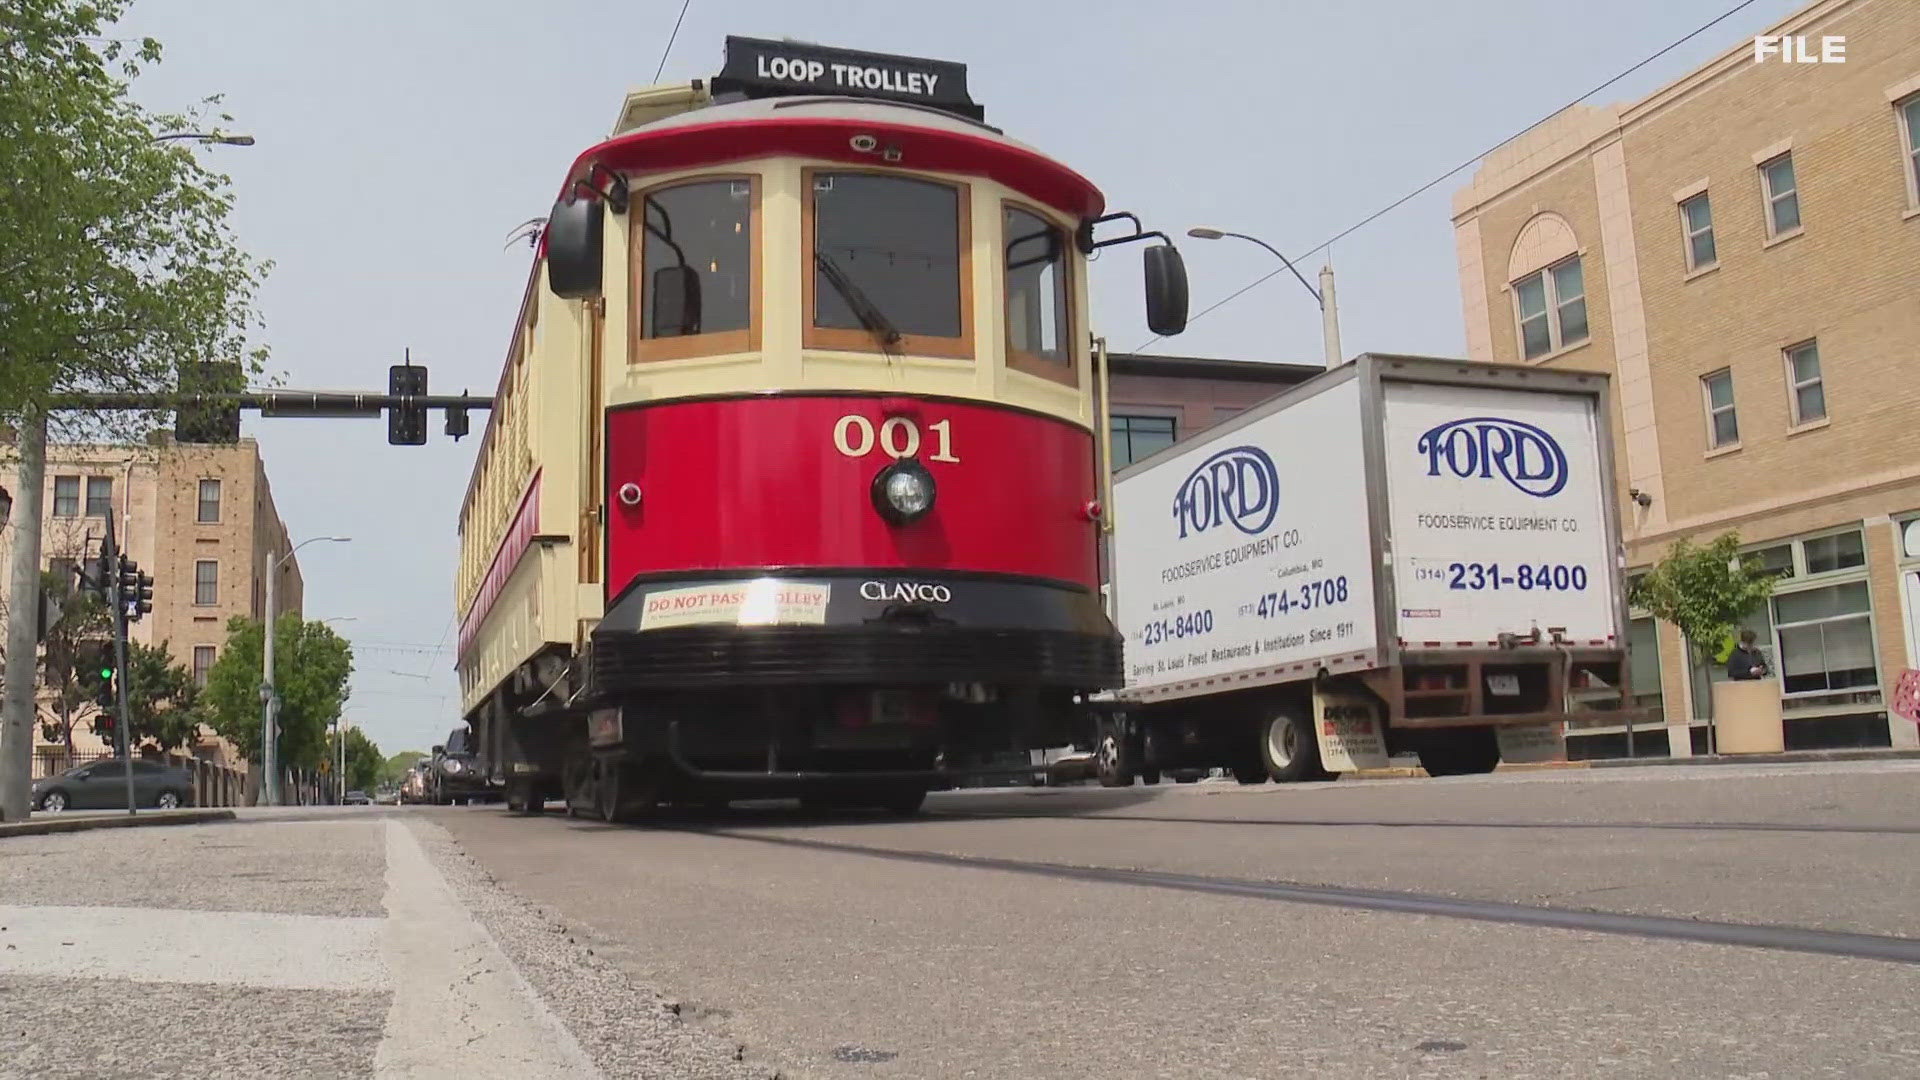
[898, 437]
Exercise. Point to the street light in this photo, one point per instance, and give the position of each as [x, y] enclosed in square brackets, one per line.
[269, 703]
[207, 137]
[1329, 317]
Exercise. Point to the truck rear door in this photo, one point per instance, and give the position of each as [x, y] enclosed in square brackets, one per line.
[1497, 515]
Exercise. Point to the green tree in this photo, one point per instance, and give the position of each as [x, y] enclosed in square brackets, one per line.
[394, 769]
[70, 664]
[1705, 591]
[162, 701]
[364, 763]
[117, 263]
[311, 666]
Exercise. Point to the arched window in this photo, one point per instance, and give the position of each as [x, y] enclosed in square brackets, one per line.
[1549, 287]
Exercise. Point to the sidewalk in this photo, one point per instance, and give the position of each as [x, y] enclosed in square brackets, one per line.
[335, 944]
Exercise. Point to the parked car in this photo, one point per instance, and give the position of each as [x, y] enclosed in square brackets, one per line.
[102, 785]
[356, 798]
[387, 798]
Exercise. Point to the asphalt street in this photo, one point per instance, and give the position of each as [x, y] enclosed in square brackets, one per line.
[1684, 921]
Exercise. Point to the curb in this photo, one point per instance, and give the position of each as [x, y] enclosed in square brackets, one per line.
[64, 824]
[1788, 758]
[1407, 771]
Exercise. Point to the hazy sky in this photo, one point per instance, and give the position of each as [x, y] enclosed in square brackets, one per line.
[401, 140]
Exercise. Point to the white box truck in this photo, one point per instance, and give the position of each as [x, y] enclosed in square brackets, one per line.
[1403, 555]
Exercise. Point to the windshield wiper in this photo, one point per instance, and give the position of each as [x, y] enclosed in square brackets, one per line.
[871, 317]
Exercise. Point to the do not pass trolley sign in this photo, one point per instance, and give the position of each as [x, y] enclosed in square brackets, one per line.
[1906, 695]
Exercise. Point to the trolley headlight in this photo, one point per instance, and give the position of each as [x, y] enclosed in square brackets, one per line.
[903, 491]
[451, 766]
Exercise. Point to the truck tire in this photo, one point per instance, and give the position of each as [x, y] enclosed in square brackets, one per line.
[1288, 749]
[1460, 752]
[1250, 774]
[1113, 758]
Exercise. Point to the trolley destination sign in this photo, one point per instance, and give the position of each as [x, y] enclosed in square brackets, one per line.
[760, 68]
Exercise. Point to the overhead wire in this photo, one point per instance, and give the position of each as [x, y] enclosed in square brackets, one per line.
[1443, 177]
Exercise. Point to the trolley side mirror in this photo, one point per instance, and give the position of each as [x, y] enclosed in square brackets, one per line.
[439, 751]
[675, 301]
[575, 233]
[1166, 281]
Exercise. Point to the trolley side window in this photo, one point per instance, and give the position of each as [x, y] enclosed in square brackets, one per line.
[891, 269]
[1036, 295]
[695, 292]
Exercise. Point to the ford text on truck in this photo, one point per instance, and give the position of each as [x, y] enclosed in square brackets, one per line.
[1405, 554]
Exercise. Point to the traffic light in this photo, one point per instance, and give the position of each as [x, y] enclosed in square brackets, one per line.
[208, 423]
[456, 423]
[99, 579]
[95, 662]
[133, 590]
[407, 424]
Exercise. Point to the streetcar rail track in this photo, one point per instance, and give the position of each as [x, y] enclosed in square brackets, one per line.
[1773, 937]
[1677, 826]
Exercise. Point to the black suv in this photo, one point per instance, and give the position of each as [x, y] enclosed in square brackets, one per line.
[455, 775]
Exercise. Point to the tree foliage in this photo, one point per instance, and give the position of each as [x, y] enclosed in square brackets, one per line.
[117, 263]
[1705, 590]
[394, 769]
[71, 676]
[311, 666]
[163, 707]
[364, 762]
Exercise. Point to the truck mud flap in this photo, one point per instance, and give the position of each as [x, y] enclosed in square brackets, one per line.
[1528, 743]
[1350, 730]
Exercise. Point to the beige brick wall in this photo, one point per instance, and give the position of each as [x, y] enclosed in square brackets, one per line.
[1850, 279]
[156, 502]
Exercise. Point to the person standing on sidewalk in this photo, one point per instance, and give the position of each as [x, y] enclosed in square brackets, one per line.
[1745, 662]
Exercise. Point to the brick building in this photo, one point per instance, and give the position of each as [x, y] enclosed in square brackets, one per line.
[199, 518]
[1159, 400]
[1741, 250]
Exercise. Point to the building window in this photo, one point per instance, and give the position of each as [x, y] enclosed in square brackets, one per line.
[1826, 639]
[206, 582]
[202, 663]
[1138, 437]
[99, 496]
[891, 269]
[66, 496]
[1696, 219]
[1723, 428]
[1037, 298]
[1783, 195]
[698, 269]
[1552, 305]
[63, 576]
[1909, 111]
[1804, 386]
[1841, 551]
[209, 502]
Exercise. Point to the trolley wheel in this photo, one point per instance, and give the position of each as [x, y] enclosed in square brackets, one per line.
[626, 792]
[1113, 759]
[1288, 749]
[903, 801]
[526, 797]
[1460, 752]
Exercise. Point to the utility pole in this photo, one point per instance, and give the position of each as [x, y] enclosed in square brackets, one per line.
[17, 713]
[1329, 318]
[110, 565]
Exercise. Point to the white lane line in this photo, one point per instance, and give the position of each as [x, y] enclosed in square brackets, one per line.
[230, 948]
[460, 1008]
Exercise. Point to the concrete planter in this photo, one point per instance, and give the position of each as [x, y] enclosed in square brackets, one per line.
[1746, 717]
